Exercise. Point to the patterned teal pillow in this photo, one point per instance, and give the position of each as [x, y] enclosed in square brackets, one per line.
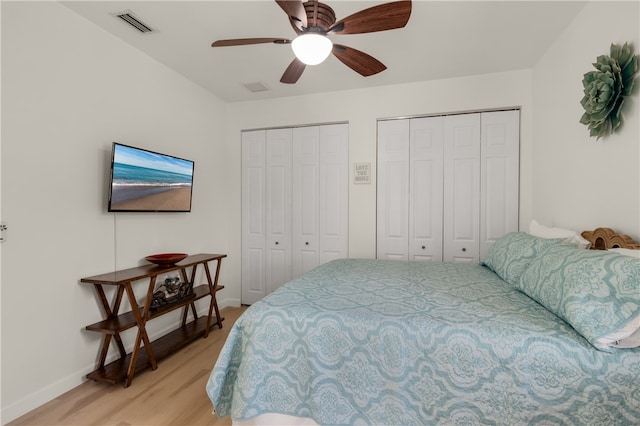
[513, 252]
[596, 292]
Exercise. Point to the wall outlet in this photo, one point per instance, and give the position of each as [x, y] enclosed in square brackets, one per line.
[3, 232]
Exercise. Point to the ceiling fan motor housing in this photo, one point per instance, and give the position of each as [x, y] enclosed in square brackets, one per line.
[319, 16]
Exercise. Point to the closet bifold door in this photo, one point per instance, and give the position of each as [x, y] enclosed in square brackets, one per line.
[334, 192]
[410, 189]
[266, 212]
[392, 239]
[425, 188]
[305, 199]
[295, 204]
[500, 155]
[278, 208]
[447, 186]
[253, 216]
[461, 230]
[320, 196]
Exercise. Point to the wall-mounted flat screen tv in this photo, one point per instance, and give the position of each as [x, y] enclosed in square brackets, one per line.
[147, 181]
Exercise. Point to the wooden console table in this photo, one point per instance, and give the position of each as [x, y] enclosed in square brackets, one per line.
[128, 364]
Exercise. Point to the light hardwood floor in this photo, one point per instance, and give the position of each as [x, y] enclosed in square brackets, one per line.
[173, 394]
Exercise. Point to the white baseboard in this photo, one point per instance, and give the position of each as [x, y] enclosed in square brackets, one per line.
[53, 390]
[41, 396]
[234, 303]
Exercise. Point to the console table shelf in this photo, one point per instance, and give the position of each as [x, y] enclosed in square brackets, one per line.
[115, 371]
[124, 368]
[127, 320]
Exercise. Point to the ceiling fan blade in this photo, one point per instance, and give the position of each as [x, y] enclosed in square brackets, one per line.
[293, 72]
[246, 41]
[387, 16]
[295, 11]
[358, 61]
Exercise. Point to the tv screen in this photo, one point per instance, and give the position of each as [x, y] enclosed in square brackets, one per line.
[147, 181]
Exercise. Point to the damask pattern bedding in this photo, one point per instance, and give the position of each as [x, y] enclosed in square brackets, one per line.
[376, 342]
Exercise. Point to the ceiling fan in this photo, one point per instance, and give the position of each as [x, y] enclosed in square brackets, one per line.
[313, 21]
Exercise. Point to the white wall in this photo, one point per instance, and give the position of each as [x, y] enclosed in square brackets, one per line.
[69, 90]
[580, 182]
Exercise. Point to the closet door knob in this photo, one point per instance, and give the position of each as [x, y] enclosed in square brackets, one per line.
[307, 243]
[276, 243]
[423, 247]
[463, 249]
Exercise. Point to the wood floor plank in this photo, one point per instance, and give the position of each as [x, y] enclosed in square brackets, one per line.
[173, 394]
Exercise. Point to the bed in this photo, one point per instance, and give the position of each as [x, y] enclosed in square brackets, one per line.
[542, 332]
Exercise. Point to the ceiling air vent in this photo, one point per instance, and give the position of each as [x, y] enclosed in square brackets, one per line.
[136, 23]
[258, 86]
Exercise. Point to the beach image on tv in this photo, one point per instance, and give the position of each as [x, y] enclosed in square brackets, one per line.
[148, 181]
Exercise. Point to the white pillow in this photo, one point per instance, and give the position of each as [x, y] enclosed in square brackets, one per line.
[626, 252]
[627, 337]
[570, 237]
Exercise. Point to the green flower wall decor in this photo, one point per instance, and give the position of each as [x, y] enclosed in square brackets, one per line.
[606, 88]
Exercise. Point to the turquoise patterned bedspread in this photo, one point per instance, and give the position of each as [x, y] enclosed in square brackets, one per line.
[376, 342]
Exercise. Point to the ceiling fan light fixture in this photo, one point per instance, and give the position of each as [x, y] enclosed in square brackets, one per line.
[311, 49]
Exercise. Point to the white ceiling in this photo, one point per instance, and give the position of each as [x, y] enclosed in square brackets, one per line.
[443, 39]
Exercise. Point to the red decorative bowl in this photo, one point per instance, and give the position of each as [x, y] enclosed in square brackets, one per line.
[166, 259]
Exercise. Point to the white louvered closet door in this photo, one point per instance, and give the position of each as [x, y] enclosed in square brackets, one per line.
[393, 190]
[461, 231]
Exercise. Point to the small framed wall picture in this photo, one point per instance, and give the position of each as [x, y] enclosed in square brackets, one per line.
[362, 173]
